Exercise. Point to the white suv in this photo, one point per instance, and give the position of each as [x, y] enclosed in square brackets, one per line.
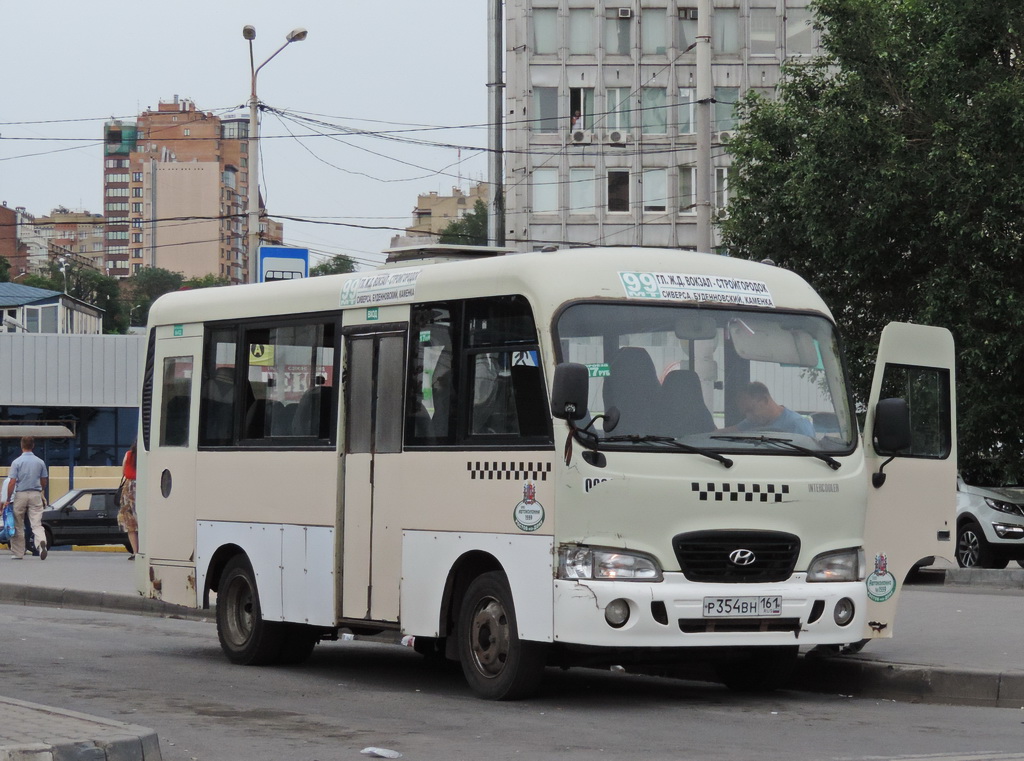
[989, 525]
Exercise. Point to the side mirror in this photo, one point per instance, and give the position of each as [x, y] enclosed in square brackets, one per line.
[892, 426]
[569, 391]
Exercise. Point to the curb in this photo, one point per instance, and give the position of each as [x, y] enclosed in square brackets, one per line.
[18, 594]
[911, 683]
[98, 739]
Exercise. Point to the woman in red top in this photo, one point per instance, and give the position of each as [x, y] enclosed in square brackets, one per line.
[126, 518]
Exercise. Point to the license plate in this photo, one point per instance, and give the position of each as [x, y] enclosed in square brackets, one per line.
[727, 607]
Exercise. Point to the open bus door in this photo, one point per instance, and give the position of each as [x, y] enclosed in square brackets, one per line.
[911, 510]
[167, 487]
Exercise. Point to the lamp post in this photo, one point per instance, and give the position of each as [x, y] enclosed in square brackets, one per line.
[64, 271]
[249, 33]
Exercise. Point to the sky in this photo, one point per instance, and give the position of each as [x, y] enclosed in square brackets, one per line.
[375, 65]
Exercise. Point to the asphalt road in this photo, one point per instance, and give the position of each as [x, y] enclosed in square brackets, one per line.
[170, 675]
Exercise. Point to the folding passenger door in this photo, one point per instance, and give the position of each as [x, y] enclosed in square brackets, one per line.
[374, 382]
[911, 512]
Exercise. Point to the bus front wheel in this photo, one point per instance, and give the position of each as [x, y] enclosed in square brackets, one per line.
[497, 664]
[244, 636]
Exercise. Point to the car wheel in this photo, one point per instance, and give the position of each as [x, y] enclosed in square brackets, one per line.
[496, 663]
[764, 670]
[973, 550]
[244, 636]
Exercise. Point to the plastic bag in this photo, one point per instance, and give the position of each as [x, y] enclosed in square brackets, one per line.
[7, 529]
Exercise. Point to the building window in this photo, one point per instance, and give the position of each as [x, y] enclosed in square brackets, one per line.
[686, 30]
[763, 31]
[655, 189]
[581, 106]
[687, 98]
[136, 176]
[120, 177]
[723, 176]
[136, 192]
[137, 207]
[136, 223]
[581, 31]
[655, 113]
[545, 31]
[618, 190]
[582, 191]
[136, 237]
[725, 106]
[725, 24]
[545, 109]
[187, 132]
[545, 191]
[687, 190]
[654, 32]
[618, 108]
[117, 192]
[616, 33]
[800, 33]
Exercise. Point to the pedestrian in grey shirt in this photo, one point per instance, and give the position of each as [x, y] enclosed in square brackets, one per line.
[29, 479]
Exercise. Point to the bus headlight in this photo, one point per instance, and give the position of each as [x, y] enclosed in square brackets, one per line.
[598, 564]
[838, 565]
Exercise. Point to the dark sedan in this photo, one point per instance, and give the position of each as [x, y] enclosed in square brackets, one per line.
[84, 517]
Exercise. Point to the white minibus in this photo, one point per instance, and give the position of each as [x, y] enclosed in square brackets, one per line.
[578, 457]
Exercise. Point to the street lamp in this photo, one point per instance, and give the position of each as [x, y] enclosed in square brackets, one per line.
[64, 271]
[249, 33]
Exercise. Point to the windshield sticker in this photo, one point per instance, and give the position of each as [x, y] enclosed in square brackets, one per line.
[529, 514]
[881, 584]
[699, 288]
[599, 370]
[380, 287]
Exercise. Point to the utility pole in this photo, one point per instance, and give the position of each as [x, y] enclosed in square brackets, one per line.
[705, 100]
[495, 111]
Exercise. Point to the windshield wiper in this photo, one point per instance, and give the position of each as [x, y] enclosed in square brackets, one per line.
[636, 438]
[832, 462]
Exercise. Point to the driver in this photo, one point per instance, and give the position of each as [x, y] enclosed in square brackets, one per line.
[762, 413]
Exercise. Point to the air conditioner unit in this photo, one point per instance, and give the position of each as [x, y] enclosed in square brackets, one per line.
[581, 137]
[691, 14]
[618, 137]
[723, 137]
[625, 13]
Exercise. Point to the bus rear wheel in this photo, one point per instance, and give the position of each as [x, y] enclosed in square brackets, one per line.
[496, 663]
[244, 636]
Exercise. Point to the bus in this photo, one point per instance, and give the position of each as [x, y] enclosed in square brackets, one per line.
[601, 456]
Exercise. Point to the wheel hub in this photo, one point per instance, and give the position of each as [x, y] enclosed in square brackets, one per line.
[490, 638]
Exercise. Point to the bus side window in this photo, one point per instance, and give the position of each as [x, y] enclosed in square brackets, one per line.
[218, 403]
[177, 400]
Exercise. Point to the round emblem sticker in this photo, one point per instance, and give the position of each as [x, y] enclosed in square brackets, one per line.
[529, 514]
[881, 584]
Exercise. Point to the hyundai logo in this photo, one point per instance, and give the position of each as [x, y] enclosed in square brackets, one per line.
[742, 557]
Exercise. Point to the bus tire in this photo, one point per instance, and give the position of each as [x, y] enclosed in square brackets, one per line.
[245, 637]
[765, 669]
[496, 663]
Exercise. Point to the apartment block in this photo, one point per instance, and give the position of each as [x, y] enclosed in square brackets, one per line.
[600, 112]
[176, 188]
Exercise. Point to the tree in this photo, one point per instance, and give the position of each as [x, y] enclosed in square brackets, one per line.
[5, 269]
[336, 265]
[888, 174]
[206, 281]
[145, 287]
[471, 230]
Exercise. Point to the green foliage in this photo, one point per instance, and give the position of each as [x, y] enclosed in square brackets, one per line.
[889, 175]
[145, 287]
[336, 265]
[5, 269]
[471, 230]
[206, 281]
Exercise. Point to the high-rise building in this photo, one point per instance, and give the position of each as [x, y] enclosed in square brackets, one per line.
[176, 185]
[600, 112]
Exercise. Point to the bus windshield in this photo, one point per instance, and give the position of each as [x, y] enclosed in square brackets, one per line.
[719, 379]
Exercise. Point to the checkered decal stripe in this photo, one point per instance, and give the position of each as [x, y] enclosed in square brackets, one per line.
[712, 492]
[509, 471]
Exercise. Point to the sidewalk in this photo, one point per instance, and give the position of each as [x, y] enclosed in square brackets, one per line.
[957, 641]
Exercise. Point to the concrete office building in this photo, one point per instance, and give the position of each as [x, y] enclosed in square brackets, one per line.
[176, 185]
[600, 116]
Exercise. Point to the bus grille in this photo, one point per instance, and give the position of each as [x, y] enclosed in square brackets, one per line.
[736, 557]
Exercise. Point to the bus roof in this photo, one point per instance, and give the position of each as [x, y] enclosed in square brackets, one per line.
[547, 279]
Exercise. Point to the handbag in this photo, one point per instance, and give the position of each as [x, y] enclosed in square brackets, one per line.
[120, 492]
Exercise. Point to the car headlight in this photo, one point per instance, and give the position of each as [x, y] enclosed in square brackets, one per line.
[599, 564]
[1005, 507]
[838, 565]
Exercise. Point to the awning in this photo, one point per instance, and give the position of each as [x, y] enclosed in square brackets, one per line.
[36, 431]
